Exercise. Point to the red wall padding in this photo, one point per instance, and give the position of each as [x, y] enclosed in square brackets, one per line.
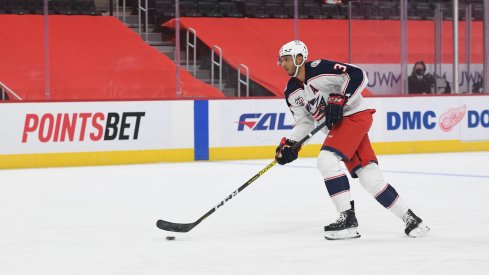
[91, 57]
[255, 42]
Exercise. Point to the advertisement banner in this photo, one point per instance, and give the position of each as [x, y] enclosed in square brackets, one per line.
[58, 127]
[263, 122]
[253, 122]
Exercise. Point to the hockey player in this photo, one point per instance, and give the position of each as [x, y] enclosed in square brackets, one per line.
[324, 90]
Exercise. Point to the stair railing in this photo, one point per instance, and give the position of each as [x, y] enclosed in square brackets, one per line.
[145, 10]
[192, 45]
[5, 90]
[218, 64]
[117, 12]
[244, 82]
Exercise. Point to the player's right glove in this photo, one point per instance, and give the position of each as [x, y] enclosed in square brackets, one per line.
[334, 109]
[285, 153]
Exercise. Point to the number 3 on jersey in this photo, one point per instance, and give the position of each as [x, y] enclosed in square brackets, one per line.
[339, 67]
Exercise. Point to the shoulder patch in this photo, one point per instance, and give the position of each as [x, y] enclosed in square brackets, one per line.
[315, 63]
[290, 92]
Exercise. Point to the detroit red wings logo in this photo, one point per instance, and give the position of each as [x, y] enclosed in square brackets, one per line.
[452, 117]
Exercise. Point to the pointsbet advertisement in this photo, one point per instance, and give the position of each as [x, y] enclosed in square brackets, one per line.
[54, 127]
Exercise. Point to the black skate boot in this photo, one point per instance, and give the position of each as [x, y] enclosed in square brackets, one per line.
[345, 227]
[414, 225]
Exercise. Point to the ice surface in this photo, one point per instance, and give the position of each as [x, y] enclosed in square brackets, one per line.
[101, 220]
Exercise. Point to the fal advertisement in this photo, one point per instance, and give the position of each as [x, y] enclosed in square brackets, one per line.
[263, 122]
[95, 126]
[254, 122]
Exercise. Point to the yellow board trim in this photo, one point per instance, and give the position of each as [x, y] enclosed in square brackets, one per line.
[95, 158]
[223, 153]
[381, 148]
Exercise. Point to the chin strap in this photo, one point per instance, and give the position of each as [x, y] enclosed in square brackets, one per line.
[297, 66]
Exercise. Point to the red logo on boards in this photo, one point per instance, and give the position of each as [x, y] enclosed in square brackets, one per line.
[451, 118]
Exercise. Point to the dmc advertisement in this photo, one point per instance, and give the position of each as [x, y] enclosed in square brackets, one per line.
[464, 118]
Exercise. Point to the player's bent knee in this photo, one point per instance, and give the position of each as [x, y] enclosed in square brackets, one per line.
[371, 178]
[329, 164]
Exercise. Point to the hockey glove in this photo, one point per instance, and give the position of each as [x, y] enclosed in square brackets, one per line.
[334, 109]
[285, 153]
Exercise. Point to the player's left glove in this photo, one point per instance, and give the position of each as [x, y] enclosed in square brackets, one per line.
[334, 109]
[285, 153]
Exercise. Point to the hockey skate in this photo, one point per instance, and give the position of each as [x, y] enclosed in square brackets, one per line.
[415, 227]
[345, 227]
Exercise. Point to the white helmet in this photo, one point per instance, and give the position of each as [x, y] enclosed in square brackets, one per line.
[294, 48]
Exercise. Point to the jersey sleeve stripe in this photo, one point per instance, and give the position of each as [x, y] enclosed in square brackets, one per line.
[346, 84]
[356, 83]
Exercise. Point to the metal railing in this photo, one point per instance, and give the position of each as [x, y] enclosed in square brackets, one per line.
[218, 64]
[6, 91]
[244, 82]
[145, 10]
[194, 46]
[117, 13]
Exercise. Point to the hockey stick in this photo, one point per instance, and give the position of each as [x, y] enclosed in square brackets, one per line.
[186, 227]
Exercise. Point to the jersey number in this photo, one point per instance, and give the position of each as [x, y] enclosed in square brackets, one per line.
[339, 67]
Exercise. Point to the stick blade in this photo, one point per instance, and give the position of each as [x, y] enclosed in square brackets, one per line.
[174, 227]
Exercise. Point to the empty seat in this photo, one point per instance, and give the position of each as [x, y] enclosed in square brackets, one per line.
[15, 6]
[86, 7]
[413, 13]
[313, 10]
[426, 13]
[36, 6]
[63, 7]
[164, 11]
[229, 9]
[447, 12]
[188, 8]
[256, 10]
[289, 10]
[478, 13]
[275, 10]
[374, 12]
[209, 9]
[390, 12]
[332, 11]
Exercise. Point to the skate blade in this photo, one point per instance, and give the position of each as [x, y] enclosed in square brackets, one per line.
[419, 231]
[350, 233]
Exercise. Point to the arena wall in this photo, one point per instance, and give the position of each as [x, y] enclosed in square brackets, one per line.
[54, 134]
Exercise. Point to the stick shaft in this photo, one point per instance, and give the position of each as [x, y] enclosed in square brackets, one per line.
[185, 227]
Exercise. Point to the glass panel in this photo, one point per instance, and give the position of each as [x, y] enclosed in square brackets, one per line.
[471, 48]
[422, 48]
[375, 44]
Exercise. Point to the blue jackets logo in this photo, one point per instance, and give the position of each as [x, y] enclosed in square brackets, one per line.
[262, 122]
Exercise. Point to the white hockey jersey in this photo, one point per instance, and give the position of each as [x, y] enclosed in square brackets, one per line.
[307, 101]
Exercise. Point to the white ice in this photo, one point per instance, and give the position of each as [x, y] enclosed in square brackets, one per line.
[101, 220]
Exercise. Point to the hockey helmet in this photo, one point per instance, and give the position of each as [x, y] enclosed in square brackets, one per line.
[294, 48]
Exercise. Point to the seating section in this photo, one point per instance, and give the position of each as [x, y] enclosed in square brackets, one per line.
[308, 9]
[65, 7]
[258, 46]
[163, 10]
[83, 68]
